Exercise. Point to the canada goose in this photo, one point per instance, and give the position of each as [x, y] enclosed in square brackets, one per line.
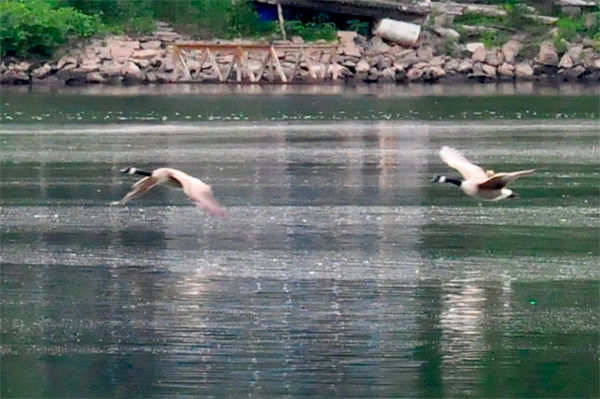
[478, 183]
[197, 190]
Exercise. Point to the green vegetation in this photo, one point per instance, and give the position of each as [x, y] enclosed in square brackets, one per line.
[362, 28]
[312, 31]
[31, 28]
[491, 39]
[34, 28]
[568, 28]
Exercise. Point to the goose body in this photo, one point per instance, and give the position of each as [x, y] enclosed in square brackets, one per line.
[477, 182]
[198, 191]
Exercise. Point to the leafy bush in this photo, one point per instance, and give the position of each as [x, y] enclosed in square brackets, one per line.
[362, 28]
[312, 31]
[244, 21]
[34, 28]
[560, 45]
[491, 39]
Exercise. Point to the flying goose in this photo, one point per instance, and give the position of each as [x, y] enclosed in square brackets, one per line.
[478, 183]
[197, 190]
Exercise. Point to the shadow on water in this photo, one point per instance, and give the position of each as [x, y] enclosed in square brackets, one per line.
[340, 272]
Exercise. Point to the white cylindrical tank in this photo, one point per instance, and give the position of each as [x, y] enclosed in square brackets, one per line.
[397, 31]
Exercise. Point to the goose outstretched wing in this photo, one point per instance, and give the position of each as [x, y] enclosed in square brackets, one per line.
[456, 160]
[500, 180]
[138, 189]
[200, 192]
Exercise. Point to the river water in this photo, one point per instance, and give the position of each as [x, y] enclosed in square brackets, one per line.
[340, 271]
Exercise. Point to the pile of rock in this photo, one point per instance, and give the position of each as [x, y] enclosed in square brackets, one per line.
[389, 63]
[149, 59]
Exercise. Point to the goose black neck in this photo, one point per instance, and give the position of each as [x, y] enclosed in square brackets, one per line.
[453, 181]
[142, 173]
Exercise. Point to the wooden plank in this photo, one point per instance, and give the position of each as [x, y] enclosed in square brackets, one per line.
[203, 56]
[263, 64]
[185, 67]
[233, 46]
[230, 67]
[335, 67]
[271, 69]
[238, 69]
[241, 61]
[281, 21]
[309, 64]
[214, 64]
[329, 65]
[298, 58]
[278, 65]
[246, 67]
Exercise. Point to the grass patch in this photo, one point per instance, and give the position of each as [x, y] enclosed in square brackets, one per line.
[476, 20]
[491, 39]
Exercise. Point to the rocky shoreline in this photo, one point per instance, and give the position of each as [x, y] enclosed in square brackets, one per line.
[147, 59]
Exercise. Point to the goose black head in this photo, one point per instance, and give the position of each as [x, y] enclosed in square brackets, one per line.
[129, 170]
[438, 179]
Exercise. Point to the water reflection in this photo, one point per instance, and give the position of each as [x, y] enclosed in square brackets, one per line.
[159, 105]
[462, 341]
[379, 90]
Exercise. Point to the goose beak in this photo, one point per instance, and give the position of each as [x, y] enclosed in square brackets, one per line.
[434, 179]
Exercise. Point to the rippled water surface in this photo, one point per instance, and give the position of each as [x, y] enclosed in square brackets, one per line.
[340, 271]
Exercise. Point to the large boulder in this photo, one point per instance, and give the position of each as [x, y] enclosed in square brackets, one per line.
[64, 73]
[574, 53]
[523, 71]
[575, 72]
[408, 59]
[506, 69]
[414, 74]
[465, 66]
[348, 46]
[132, 72]
[472, 47]
[494, 57]
[111, 69]
[66, 60]
[42, 72]
[483, 72]
[120, 53]
[362, 66]
[95, 77]
[479, 54]
[146, 54]
[379, 46]
[547, 55]
[151, 45]
[388, 75]
[12, 76]
[489, 70]
[424, 53]
[437, 61]
[433, 73]
[452, 64]
[566, 61]
[510, 50]
[447, 33]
